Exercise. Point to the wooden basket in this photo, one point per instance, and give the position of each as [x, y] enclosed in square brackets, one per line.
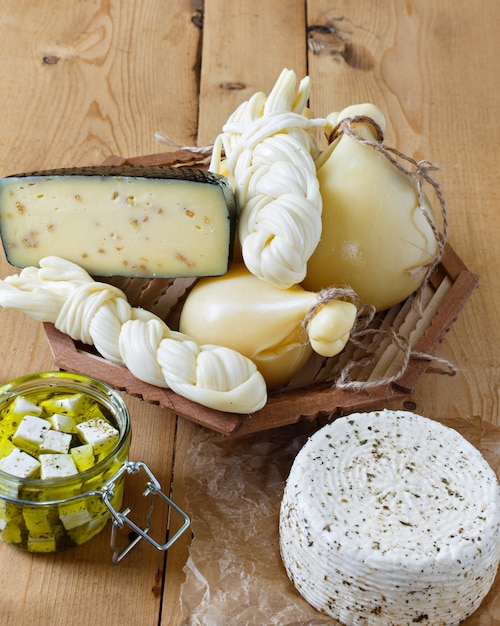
[310, 394]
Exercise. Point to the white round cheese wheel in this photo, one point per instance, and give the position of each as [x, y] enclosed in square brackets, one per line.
[391, 518]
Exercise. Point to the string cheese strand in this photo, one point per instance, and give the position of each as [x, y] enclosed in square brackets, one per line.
[270, 152]
[99, 314]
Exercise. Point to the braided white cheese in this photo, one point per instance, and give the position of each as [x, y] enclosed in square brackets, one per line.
[99, 314]
[270, 153]
[391, 518]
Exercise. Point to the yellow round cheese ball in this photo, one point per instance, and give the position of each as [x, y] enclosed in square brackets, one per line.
[375, 236]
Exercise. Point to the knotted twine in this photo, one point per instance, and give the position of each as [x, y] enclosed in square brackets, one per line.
[362, 334]
[420, 174]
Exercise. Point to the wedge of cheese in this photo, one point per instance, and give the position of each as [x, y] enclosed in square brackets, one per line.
[120, 221]
[391, 518]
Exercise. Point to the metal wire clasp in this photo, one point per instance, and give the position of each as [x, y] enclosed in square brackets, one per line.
[153, 488]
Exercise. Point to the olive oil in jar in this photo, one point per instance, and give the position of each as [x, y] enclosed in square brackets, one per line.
[62, 437]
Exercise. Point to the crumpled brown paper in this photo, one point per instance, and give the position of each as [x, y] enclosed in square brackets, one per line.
[234, 573]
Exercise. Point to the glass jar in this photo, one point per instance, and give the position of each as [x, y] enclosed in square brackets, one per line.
[52, 514]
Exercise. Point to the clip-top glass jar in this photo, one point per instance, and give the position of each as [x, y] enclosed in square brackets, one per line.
[54, 512]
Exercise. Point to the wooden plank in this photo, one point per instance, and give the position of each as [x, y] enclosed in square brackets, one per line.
[179, 552]
[413, 60]
[363, 53]
[106, 64]
[246, 44]
[92, 79]
[81, 81]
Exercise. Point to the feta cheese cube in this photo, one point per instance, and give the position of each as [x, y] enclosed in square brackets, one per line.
[64, 423]
[38, 520]
[100, 434]
[84, 533]
[57, 465]
[20, 464]
[74, 514]
[30, 433]
[96, 506]
[55, 441]
[12, 533]
[68, 405]
[83, 456]
[23, 406]
[41, 544]
[10, 511]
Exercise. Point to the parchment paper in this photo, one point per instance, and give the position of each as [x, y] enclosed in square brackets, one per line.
[234, 573]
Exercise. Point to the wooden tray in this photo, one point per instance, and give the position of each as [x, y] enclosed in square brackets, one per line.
[309, 395]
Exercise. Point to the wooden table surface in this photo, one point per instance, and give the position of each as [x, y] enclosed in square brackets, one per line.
[89, 78]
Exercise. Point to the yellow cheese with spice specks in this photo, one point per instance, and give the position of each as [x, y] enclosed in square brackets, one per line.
[123, 221]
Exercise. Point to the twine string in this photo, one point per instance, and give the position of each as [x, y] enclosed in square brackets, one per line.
[421, 171]
[362, 336]
[335, 293]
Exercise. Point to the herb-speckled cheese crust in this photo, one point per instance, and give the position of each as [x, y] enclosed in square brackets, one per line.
[391, 518]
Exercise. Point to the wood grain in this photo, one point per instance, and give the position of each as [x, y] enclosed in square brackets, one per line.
[83, 81]
[417, 62]
[246, 44]
[99, 77]
[88, 79]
